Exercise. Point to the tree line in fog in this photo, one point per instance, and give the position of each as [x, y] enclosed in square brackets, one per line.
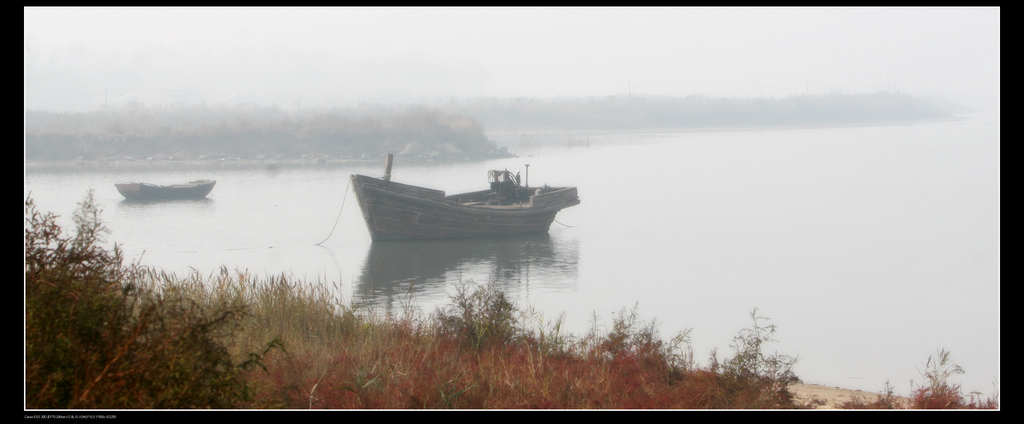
[662, 112]
[212, 132]
[451, 130]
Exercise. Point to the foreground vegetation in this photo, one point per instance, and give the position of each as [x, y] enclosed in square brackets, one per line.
[102, 334]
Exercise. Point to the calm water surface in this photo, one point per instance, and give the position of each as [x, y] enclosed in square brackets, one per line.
[870, 248]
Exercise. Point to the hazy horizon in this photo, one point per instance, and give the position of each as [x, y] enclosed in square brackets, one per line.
[80, 58]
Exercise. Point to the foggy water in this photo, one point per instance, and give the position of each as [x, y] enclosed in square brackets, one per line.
[870, 248]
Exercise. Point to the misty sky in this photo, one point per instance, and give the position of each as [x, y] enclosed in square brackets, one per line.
[347, 55]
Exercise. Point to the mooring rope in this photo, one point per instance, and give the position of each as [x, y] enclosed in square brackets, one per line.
[339, 213]
[567, 226]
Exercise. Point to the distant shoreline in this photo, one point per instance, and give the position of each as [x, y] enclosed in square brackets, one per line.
[272, 164]
[161, 165]
[447, 132]
[527, 131]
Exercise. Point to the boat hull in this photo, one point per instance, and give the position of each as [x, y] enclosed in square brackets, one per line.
[145, 191]
[395, 211]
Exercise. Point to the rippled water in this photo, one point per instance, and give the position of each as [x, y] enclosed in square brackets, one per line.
[870, 247]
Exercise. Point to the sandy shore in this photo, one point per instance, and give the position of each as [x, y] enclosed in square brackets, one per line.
[824, 397]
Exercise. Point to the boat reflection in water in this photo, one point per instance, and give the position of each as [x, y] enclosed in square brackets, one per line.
[132, 202]
[397, 270]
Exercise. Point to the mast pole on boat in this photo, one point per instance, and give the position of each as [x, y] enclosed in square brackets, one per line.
[387, 168]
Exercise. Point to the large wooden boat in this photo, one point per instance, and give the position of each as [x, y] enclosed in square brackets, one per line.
[145, 191]
[396, 211]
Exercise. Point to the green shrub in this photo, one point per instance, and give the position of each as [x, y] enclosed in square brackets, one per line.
[752, 378]
[479, 315]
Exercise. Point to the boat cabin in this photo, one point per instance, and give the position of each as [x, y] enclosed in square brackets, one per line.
[506, 186]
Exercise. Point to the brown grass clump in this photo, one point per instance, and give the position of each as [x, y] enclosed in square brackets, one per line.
[939, 393]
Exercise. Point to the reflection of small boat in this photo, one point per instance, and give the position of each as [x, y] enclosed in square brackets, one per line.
[145, 191]
[395, 211]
